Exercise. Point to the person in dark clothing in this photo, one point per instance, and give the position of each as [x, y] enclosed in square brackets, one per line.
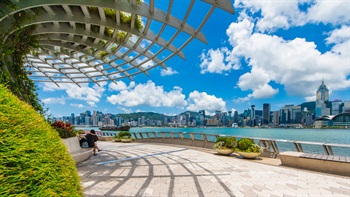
[92, 139]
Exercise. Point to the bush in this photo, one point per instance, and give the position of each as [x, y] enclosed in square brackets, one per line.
[244, 143]
[231, 142]
[33, 159]
[65, 130]
[221, 139]
[248, 145]
[124, 133]
[225, 142]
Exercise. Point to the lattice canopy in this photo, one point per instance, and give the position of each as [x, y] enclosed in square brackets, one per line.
[103, 40]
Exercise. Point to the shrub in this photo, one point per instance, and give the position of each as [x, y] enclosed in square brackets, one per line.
[33, 159]
[231, 142]
[124, 133]
[65, 130]
[225, 142]
[244, 143]
[248, 145]
[221, 139]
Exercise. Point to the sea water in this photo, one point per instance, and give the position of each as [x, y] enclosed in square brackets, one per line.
[333, 136]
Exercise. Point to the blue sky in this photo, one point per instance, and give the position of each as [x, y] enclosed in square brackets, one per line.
[274, 52]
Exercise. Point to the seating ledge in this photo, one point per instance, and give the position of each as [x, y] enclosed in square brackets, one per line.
[315, 162]
[81, 155]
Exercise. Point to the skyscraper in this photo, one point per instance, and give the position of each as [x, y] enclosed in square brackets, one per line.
[266, 113]
[252, 115]
[322, 93]
[322, 96]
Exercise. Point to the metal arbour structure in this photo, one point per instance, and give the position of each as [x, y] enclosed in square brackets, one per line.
[102, 40]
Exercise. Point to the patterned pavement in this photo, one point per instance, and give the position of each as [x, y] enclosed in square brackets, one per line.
[140, 169]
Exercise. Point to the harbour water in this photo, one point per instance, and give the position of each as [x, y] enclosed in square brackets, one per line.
[334, 136]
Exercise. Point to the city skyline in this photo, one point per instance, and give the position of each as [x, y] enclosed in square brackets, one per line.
[272, 52]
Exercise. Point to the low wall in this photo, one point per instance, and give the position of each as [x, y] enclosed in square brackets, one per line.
[79, 154]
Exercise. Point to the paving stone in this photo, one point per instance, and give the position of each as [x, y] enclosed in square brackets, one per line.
[160, 170]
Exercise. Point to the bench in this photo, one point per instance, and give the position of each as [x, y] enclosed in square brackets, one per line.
[78, 154]
[332, 164]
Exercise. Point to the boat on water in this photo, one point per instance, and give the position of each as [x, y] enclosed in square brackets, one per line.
[115, 128]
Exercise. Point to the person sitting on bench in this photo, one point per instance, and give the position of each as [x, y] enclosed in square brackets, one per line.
[92, 139]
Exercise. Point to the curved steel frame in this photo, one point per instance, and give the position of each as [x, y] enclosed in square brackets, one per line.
[72, 54]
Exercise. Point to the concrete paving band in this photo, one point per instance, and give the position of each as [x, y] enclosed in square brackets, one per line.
[141, 169]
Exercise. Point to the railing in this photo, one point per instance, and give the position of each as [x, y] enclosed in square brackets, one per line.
[272, 147]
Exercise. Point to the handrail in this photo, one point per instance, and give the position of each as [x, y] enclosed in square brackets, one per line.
[269, 144]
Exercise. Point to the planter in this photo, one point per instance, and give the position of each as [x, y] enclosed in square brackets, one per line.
[126, 140]
[224, 151]
[248, 155]
[117, 140]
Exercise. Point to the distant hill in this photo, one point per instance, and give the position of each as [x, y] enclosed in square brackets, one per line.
[147, 115]
[153, 115]
[309, 105]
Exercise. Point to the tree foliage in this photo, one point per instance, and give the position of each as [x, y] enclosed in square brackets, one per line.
[12, 52]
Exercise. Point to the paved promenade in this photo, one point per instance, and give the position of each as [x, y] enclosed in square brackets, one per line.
[140, 169]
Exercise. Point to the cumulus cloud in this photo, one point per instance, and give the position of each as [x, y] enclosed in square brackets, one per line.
[149, 95]
[214, 61]
[202, 101]
[91, 95]
[169, 71]
[59, 100]
[77, 105]
[272, 15]
[341, 39]
[333, 12]
[120, 86]
[296, 64]
[339, 35]
[125, 110]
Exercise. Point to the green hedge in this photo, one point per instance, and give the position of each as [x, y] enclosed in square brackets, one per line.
[33, 160]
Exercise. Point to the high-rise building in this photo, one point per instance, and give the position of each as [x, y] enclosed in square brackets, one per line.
[296, 115]
[202, 117]
[235, 117]
[94, 118]
[252, 116]
[322, 92]
[286, 114]
[187, 118]
[322, 104]
[72, 119]
[336, 107]
[276, 118]
[346, 107]
[266, 113]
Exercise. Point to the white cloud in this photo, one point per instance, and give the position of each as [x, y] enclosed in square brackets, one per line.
[120, 86]
[60, 100]
[149, 95]
[339, 35]
[91, 95]
[77, 105]
[169, 71]
[214, 61]
[125, 110]
[296, 64]
[202, 101]
[333, 12]
[272, 15]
